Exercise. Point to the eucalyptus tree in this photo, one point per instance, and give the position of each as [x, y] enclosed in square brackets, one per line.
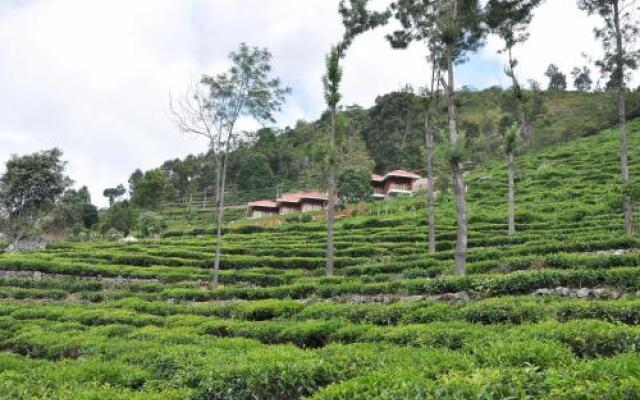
[509, 20]
[582, 78]
[510, 144]
[456, 28]
[213, 105]
[619, 34]
[557, 79]
[432, 98]
[331, 83]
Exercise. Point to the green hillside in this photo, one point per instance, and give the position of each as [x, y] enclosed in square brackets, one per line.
[109, 320]
[387, 136]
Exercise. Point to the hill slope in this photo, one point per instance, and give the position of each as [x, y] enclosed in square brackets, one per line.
[387, 136]
[134, 321]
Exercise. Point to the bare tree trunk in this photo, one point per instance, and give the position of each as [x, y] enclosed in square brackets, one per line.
[510, 196]
[431, 214]
[622, 115]
[456, 168]
[428, 151]
[204, 200]
[332, 194]
[218, 217]
[221, 184]
[461, 210]
[527, 133]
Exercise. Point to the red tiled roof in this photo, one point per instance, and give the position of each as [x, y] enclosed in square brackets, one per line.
[298, 196]
[263, 203]
[402, 173]
[377, 178]
[314, 196]
[289, 197]
[397, 173]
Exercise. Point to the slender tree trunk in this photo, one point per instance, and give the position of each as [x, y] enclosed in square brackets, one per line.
[456, 169]
[431, 214]
[428, 151]
[221, 184]
[204, 200]
[622, 115]
[527, 133]
[510, 196]
[218, 218]
[331, 194]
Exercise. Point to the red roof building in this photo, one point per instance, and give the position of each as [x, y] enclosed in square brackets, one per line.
[262, 208]
[302, 202]
[393, 183]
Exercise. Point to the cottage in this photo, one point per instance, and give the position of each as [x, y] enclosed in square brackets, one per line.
[302, 202]
[377, 186]
[288, 203]
[399, 182]
[313, 201]
[393, 183]
[262, 208]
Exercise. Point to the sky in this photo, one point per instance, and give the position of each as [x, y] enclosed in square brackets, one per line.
[94, 77]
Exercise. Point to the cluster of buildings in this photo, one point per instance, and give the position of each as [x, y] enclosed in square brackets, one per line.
[397, 182]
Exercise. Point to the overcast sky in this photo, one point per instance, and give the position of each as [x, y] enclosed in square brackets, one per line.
[93, 77]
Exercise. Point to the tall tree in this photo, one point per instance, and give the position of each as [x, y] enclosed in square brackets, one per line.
[134, 178]
[456, 28]
[557, 80]
[620, 30]
[29, 188]
[394, 130]
[354, 184]
[114, 193]
[150, 190]
[331, 82]
[582, 79]
[510, 141]
[509, 19]
[433, 102]
[212, 107]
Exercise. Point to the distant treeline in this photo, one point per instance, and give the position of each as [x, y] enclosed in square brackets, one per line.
[387, 136]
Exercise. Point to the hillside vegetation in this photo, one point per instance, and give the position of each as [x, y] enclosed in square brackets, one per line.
[110, 320]
[387, 136]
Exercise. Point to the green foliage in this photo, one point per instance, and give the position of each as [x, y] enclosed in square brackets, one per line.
[354, 184]
[254, 172]
[122, 216]
[454, 152]
[151, 224]
[115, 320]
[331, 80]
[114, 194]
[389, 136]
[582, 79]
[511, 136]
[29, 188]
[619, 21]
[150, 190]
[557, 80]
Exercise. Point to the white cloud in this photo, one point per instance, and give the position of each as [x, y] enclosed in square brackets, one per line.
[93, 77]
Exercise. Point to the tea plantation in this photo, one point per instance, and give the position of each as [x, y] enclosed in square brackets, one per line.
[550, 313]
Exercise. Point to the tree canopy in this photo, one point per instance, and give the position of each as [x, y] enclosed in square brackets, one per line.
[30, 187]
